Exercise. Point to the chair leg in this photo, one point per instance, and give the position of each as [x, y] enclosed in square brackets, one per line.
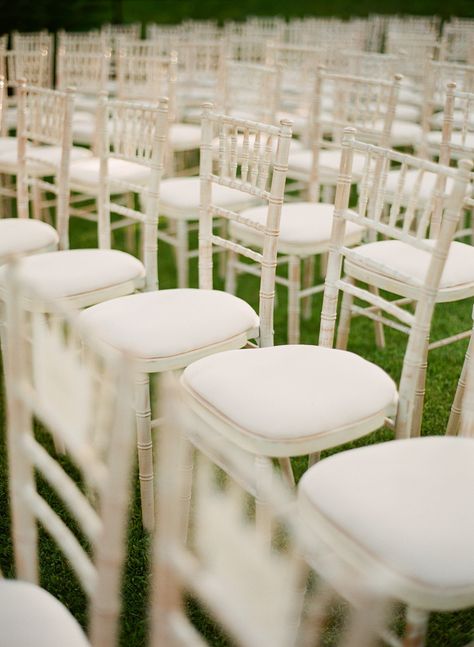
[222, 258]
[287, 471]
[379, 331]
[308, 281]
[36, 195]
[420, 395]
[144, 444]
[344, 319]
[263, 472]
[182, 253]
[186, 467]
[415, 630]
[455, 415]
[231, 273]
[294, 276]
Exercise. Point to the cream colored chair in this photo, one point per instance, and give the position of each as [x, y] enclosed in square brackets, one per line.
[295, 400]
[82, 399]
[166, 330]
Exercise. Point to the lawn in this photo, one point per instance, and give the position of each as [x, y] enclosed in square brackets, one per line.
[445, 630]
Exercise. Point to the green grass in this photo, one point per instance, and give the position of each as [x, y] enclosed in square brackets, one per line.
[445, 629]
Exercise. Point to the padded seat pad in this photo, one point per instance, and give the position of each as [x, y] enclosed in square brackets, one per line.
[25, 236]
[184, 136]
[329, 160]
[289, 392]
[79, 271]
[166, 323]
[185, 193]
[406, 502]
[30, 615]
[301, 223]
[50, 155]
[86, 172]
[458, 271]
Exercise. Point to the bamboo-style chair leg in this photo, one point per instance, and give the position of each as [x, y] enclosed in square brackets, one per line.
[263, 474]
[182, 253]
[323, 265]
[144, 444]
[130, 230]
[6, 203]
[378, 325]
[186, 466]
[415, 630]
[308, 281]
[294, 276]
[36, 195]
[345, 316]
[313, 458]
[231, 273]
[287, 471]
[415, 430]
[455, 415]
[222, 259]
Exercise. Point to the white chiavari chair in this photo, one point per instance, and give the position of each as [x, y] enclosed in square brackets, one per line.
[252, 589]
[306, 226]
[411, 189]
[35, 42]
[80, 396]
[168, 329]
[88, 73]
[295, 400]
[457, 44]
[83, 277]
[404, 512]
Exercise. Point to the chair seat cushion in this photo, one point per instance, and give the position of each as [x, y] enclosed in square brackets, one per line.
[181, 197]
[434, 138]
[30, 615]
[406, 502]
[405, 133]
[300, 163]
[288, 392]
[458, 271]
[425, 190]
[184, 137]
[87, 173]
[25, 236]
[50, 155]
[79, 271]
[303, 225]
[8, 144]
[167, 323]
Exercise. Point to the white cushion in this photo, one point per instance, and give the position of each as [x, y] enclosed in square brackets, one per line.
[409, 95]
[407, 502]
[184, 194]
[425, 191]
[166, 323]
[30, 615]
[329, 161]
[407, 112]
[79, 271]
[303, 224]
[458, 271]
[434, 138]
[183, 137]
[86, 173]
[50, 155]
[458, 118]
[8, 144]
[288, 392]
[405, 133]
[25, 236]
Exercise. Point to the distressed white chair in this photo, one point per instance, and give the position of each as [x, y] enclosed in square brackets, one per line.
[82, 399]
[83, 277]
[413, 189]
[252, 589]
[168, 329]
[44, 144]
[295, 400]
[404, 512]
[36, 42]
[306, 226]
[454, 423]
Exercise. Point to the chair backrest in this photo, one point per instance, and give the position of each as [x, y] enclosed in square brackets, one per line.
[92, 41]
[424, 224]
[253, 589]
[457, 44]
[44, 118]
[26, 64]
[457, 138]
[80, 395]
[143, 75]
[257, 165]
[35, 42]
[251, 90]
[341, 101]
[85, 71]
[133, 132]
